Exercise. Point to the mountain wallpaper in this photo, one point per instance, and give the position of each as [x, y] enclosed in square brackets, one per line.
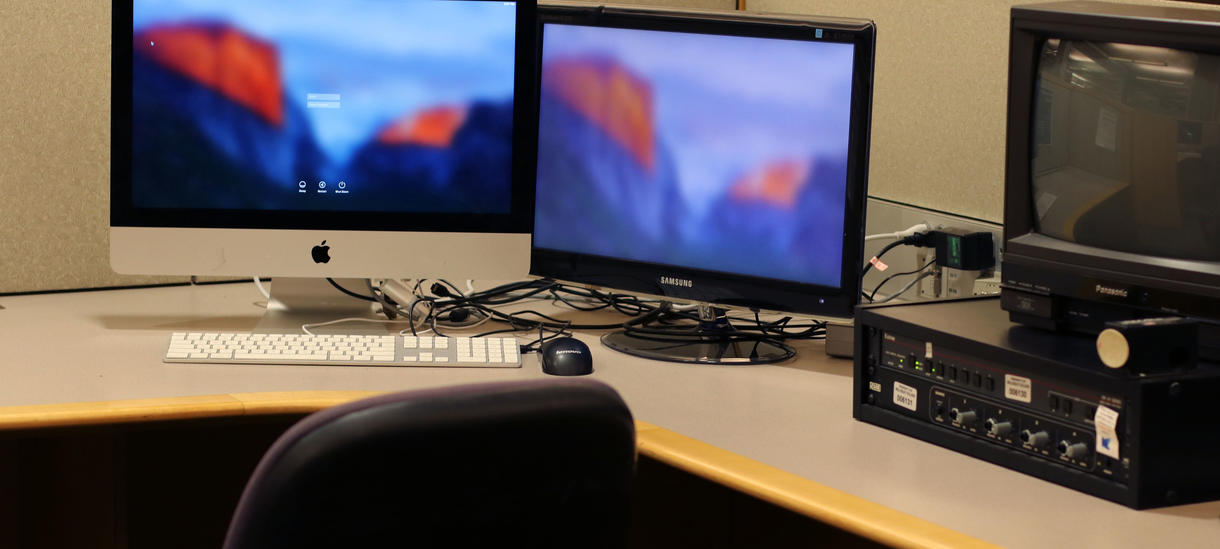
[713, 152]
[365, 106]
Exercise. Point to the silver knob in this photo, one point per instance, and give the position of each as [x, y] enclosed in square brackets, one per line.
[1035, 439]
[964, 417]
[1073, 450]
[998, 428]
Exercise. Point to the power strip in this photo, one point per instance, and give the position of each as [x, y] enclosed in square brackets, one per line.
[987, 286]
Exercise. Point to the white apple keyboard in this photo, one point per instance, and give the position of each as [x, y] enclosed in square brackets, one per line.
[343, 350]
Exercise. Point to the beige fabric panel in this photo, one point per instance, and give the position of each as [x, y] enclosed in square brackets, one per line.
[55, 145]
[940, 101]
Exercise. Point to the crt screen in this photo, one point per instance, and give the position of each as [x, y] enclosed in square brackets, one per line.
[721, 153]
[1127, 148]
[316, 105]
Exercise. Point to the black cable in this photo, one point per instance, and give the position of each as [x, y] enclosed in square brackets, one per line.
[873, 294]
[648, 317]
[917, 239]
[904, 288]
[349, 292]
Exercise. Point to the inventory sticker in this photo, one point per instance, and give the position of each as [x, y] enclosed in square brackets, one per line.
[1106, 421]
[1018, 388]
[874, 386]
[906, 396]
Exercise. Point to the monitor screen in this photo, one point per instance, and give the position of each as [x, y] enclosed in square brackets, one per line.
[398, 133]
[364, 105]
[1126, 148]
[719, 152]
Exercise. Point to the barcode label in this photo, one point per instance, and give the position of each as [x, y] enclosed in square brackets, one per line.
[1018, 388]
[906, 396]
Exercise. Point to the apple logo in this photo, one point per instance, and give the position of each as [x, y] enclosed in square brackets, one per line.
[321, 253]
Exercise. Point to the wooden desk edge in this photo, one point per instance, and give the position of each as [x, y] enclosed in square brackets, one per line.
[800, 495]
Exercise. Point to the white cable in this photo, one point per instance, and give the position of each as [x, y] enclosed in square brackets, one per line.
[305, 327]
[913, 229]
[469, 286]
[258, 283]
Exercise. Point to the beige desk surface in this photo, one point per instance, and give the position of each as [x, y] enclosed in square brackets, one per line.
[783, 433]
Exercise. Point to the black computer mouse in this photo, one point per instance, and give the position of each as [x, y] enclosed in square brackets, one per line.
[566, 356]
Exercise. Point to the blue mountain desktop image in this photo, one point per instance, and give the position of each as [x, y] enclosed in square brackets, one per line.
[720, 153]
[362, 105]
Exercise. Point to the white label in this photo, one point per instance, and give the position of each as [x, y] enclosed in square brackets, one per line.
[1018, 388]
[1106, 421]
[874, 386]
[927, 350]
[1107, 129]
[906, 396]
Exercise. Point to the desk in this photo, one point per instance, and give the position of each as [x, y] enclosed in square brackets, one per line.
[781, 433]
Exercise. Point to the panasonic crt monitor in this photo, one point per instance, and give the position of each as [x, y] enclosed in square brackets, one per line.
[308, 138]
[1112, 184]
[717, 158]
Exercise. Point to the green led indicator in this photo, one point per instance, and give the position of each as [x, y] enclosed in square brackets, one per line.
[955, 251]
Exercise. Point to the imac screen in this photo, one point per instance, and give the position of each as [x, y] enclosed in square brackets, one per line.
[715, 152]
[295, 105]
[1127, 148]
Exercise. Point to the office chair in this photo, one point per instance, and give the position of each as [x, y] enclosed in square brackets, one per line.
[545, 463]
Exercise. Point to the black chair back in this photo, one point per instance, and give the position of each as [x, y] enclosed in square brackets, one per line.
[544, 463]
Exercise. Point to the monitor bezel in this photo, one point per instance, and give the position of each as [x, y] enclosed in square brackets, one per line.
[714, 287]
[1031, 26]
[518, 219]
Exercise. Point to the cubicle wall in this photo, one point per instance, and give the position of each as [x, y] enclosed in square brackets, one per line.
[940, 97]
[938, 122]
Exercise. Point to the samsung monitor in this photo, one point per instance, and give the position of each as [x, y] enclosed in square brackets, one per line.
[715, 158]
[311, 138]
[1112, 184]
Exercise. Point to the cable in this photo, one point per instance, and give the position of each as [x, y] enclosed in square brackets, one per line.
[349, 292]
[445, 306]
[305, 327]
[258, 283]
[917, 239]
[909, 285]
[895, 275]
[913, 229]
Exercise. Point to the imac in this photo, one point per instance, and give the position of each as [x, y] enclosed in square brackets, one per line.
[715, 158]
[1112, 181]
[308, 139]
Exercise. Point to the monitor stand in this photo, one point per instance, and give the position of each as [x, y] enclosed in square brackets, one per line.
[711, 341]
[298, 301]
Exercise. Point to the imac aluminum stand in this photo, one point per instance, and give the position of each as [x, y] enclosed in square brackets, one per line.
[298, 301]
